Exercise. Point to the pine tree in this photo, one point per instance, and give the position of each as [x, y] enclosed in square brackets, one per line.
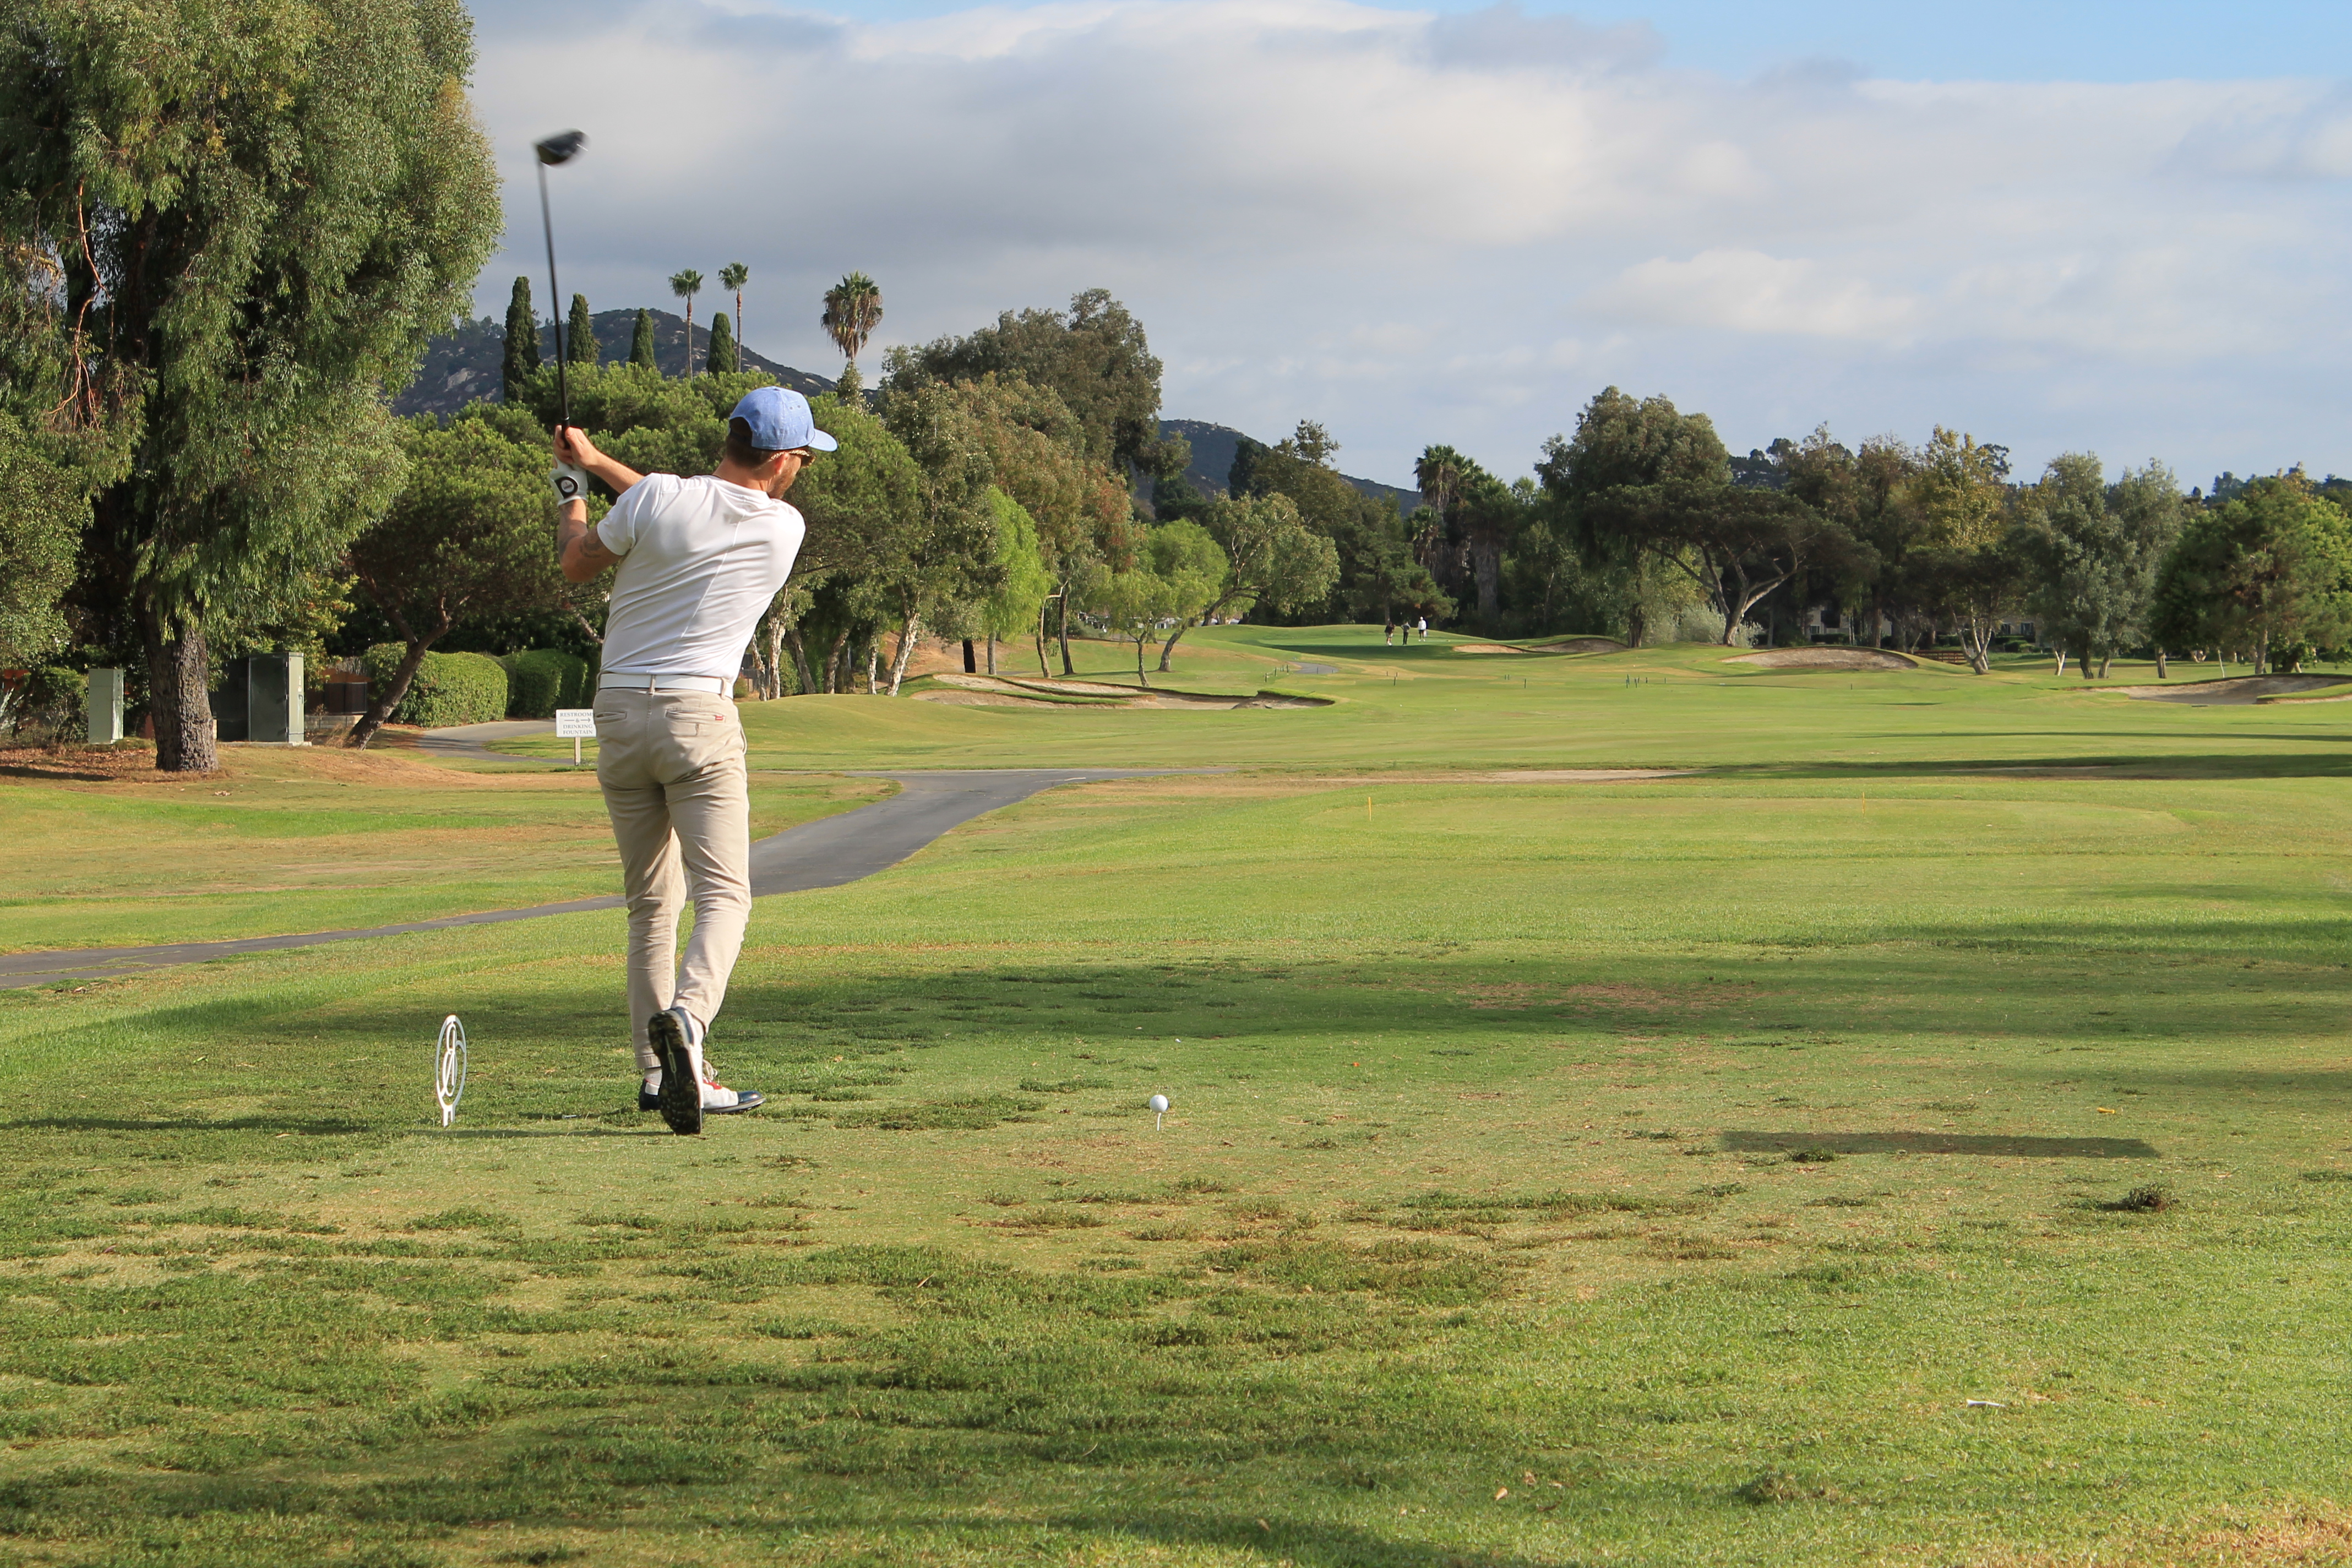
[580, 334]
[522, 342]
[641, 343]
[718, 354]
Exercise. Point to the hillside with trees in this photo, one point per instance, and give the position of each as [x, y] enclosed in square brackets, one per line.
[464, 364]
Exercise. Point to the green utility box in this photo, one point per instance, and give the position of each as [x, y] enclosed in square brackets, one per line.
[259, 699]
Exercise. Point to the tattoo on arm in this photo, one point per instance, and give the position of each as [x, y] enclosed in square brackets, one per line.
[579, 548]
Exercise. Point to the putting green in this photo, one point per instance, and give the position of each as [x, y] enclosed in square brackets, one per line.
[1732, 1167]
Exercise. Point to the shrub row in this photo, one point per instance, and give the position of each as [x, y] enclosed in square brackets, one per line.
[541, 679]
[449, 688]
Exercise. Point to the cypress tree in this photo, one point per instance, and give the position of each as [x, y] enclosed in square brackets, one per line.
[580, 334]
[718, 354]
[641, 342]
[522, 342]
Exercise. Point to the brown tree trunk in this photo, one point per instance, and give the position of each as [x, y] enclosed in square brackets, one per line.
[873, 666]
[177, 676]
[1168, 648]
[382, 703]
[1067, 667]
[1635, 625]
[2159, 661]
[800, 658]
[2105, 658]
[1044, 669]
[991, 653]
[971, 657]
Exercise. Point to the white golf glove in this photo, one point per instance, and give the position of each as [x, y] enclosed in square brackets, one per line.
[570, 483]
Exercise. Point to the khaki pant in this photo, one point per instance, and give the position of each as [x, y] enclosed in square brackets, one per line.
[671, 764]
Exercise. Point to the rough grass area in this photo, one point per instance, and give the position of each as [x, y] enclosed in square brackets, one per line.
[1735, 1168]
[320, 839]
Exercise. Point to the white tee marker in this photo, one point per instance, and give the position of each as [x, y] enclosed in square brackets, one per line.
[1159, 1103]
[449, 1068]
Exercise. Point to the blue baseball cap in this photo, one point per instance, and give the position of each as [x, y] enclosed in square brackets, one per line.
[781, 421]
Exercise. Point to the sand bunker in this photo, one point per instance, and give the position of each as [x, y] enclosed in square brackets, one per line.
[1827, 658]
[1578, 645]
[1565, 644]
[1585, 775]
[2230, 689]
[1003, 691]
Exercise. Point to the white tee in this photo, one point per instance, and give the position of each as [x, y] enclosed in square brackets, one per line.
[700, 560]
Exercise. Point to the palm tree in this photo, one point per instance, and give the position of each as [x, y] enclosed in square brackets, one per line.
[734, 275]
[686, 285]
[853, 308]
[1439, 474]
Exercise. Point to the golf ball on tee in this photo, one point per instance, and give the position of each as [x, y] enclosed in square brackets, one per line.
[1159, 1103]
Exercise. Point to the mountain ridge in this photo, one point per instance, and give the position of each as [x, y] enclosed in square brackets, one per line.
[463, 365]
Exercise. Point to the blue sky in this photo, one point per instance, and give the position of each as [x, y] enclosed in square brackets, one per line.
[2064, 227]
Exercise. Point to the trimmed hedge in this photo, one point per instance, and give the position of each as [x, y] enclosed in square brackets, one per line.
[449, 688]
[541, 679]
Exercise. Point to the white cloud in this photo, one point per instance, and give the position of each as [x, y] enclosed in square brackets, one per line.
[1748, 291]
[1458, 228]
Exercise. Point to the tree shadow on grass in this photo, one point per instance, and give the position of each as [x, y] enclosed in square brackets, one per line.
[2000, 1145]
[308, 1127]
[2124, 767]
[1309, 1544]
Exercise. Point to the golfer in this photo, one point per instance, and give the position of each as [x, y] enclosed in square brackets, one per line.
[700, 560]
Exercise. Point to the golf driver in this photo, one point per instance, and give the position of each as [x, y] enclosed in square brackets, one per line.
[559, 148]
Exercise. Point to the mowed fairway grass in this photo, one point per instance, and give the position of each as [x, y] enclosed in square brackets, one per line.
[1938, 1157]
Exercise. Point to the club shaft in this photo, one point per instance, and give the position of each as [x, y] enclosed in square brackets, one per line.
[554, 299]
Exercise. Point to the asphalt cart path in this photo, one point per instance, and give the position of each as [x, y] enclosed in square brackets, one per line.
[827, 853]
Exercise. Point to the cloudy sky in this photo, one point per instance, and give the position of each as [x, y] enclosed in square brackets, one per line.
[2064, 226]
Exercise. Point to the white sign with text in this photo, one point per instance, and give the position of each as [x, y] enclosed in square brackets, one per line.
[575, 723]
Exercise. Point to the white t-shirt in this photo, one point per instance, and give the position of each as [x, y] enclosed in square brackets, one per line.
[700, 561]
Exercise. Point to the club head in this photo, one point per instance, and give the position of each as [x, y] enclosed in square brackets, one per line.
[562, 147]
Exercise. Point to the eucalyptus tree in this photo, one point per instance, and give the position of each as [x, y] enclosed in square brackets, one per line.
[248, 218]
[1038, 453]
[44, 509]
[1014, 607]
[1095, 357]
[1272, 558]
[1621, 441]
[686, 284]
[853, 308]
[465, 538]
[2094, 548]
[2268, 568]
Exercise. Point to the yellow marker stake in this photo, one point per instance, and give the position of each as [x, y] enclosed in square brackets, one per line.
[1368, 808]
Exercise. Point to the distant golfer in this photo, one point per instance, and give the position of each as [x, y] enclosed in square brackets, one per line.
[699, 559]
